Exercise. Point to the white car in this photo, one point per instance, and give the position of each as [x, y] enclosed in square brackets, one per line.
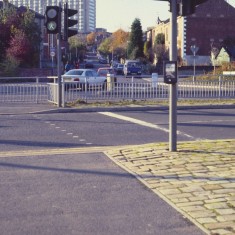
[82, 78]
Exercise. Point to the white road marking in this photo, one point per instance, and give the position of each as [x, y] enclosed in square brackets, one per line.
[143, 123]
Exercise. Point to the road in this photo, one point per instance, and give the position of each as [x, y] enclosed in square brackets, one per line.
[112, 129]
[55, 180]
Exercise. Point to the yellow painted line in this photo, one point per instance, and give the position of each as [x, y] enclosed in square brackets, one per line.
[59, 151]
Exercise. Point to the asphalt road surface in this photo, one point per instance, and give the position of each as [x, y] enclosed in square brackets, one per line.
[47, 188]
[112, 129]
[80, 194]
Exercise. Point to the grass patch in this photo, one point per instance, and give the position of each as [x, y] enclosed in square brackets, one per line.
[180, 102]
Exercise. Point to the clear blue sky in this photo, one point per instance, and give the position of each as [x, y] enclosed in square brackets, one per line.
[116, 14]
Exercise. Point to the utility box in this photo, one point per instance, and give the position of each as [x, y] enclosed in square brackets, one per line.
[170, 72]
[154, 80]
[110, 82]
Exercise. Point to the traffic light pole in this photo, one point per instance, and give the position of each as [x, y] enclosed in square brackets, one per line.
[173, 87]
[59, 92]
[59, 104]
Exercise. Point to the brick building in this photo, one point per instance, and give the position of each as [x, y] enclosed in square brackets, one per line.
[212, 22]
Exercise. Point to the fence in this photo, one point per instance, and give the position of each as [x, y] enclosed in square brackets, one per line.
[38, 90]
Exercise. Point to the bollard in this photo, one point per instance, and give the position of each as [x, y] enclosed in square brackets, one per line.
[110, 82]
[154, 80]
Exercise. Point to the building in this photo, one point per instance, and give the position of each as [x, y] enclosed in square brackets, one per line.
[86, 10]
[207, 28]
[86, 16]
[224, 55]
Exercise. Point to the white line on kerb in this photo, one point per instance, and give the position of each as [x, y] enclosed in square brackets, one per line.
[143, 123]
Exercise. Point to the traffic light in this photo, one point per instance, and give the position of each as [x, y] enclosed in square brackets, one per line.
[187, 7]
[53, 19]
[69, 22]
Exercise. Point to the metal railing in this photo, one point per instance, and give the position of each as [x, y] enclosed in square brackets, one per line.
[37, 90]
[24, 89]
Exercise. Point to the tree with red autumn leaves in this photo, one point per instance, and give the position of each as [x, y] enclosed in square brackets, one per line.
[20, 37]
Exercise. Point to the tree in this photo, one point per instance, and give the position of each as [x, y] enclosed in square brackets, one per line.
[119, 42]
[16, 24]
[136, 45]
[160, 49]
[32, 32]
[105, 46]
[160, 39]
[148, 52]
[8, 21]
[20, 47]
[77, 48]
[91, 38]
[120, 38]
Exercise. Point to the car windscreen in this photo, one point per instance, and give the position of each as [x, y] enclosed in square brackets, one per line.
[134, 64]
[74, 72]
[104, 72]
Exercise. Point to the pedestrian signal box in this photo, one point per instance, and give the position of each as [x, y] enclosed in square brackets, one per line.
[170, 72]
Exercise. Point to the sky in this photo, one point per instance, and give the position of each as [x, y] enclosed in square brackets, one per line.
[115, 14]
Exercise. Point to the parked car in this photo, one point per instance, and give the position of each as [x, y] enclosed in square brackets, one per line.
[119, 69]
[103, 60]
[132, 67]
[79, 78]
[89, 64]
[107, 70]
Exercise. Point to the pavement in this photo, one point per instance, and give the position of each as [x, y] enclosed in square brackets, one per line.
[198, 180]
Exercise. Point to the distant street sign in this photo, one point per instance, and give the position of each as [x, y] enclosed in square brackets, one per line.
[194, 49]
[52, 49]
[52, 53]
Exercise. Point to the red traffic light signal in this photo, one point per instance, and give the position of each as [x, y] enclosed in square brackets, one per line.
[69, 32]
[53, 19]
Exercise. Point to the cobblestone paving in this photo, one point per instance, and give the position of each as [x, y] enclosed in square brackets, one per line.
[198, 180]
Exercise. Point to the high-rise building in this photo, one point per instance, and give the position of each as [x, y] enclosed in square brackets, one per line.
[86, 10]
[86, 15]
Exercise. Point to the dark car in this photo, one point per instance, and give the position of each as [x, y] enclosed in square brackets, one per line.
[103, 60]
[89, 64]
[119, 69]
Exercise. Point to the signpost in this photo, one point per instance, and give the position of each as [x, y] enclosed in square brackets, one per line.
[173, 86]
[194, 50]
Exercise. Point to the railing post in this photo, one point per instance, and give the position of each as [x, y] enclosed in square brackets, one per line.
[132, 88]
[220, 86]
[63, 94]
[37, 84]
[86, 89]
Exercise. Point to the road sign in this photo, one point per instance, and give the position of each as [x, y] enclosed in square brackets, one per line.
[52, 53]
[194, 49]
